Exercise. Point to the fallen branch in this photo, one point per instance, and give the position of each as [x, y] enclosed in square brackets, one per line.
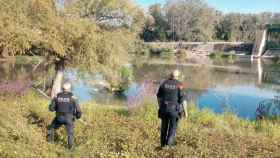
[37, 65]
[42, 93]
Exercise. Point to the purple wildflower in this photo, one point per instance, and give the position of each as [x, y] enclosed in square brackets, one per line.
[16, 87]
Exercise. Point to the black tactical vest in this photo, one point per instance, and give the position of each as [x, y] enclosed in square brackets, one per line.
[65, 103]
[169, 91]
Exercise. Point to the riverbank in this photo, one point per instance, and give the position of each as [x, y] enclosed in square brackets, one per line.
[111, 131]
[226, 68]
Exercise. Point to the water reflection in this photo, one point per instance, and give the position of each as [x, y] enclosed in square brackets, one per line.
[40, 75]
[237, 86]
[260, 71]
[242, 100]
[237, 90]
[90, 87]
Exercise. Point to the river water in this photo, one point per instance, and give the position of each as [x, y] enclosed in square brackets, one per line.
[237, 86]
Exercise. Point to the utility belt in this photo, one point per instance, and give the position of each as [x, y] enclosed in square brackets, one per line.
[170, 104]
[64, 114]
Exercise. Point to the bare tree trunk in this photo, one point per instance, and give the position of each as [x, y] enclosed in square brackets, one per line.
[4, 53]
[57, 83]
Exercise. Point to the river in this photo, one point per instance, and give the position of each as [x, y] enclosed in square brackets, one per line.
[237, 86]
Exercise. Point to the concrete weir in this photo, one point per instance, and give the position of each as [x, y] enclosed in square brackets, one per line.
[270, 34]
[267, 45]
[204, 48]
[259, 45]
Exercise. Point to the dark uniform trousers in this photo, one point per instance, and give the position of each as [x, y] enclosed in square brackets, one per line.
[169, 120]
[68, 121]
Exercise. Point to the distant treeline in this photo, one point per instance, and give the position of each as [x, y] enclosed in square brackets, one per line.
[195, 20]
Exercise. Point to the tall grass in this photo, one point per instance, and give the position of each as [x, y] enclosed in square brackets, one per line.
[110, 131]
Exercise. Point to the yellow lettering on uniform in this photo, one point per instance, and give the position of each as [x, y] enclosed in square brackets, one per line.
[168, 86]
[65, 100]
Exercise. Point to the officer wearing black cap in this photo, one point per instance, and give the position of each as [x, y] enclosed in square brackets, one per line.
[170, 97]
[67, 109]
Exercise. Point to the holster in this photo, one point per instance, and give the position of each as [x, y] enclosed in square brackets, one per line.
[167, 106]
[62, 117]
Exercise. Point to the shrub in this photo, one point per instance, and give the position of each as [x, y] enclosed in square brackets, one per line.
[221, 56]
[167, 53]
[127, 73]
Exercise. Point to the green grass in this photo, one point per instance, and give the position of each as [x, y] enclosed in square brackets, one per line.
[20, 60]
[221, 57]
[111, 131]
[217, 55]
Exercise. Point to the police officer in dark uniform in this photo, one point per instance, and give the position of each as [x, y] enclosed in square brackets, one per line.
[67, 109]
[170, 98]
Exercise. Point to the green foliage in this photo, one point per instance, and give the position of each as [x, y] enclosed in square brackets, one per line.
[146, 52]
[216, 55]
[179, 20]
[156, 25]
[38, 27]
[110, 131]
[239, 27]
[167, 53]
[189, 19]
[220, 56]
[186, 20]
[127, 73]
[109, 14]
[21, 60]
[272, 45]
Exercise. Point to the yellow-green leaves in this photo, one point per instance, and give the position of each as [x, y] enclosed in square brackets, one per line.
[76, 33]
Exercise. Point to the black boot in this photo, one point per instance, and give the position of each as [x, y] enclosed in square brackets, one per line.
[70, 143]
[50, 136]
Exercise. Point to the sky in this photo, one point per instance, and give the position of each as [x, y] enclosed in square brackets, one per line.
[227, 6]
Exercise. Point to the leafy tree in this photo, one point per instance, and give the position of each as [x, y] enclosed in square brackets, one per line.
[77, 33]
[250, 24]
[228, 28]
[109, 13]
[156, 24]
[188, 19]
[240, 27]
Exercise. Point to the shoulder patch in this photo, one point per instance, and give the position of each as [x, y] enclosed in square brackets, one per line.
[180, 86]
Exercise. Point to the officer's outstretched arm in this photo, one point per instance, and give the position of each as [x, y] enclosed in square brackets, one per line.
[78, 110]
[52, 106]
[180, 94]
